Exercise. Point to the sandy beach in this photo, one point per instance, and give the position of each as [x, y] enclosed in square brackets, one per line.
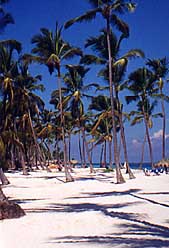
[93, 211]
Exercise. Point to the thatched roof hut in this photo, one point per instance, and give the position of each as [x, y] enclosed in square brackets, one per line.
[162, 163]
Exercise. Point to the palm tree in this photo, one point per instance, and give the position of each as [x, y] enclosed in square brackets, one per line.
[102, 126]
[8, 72]
[99, 45]
[7, 209]
[75, 91]
[29, 108]
[142, 85]
[160, 69]
[108, 10]
[5, 18]
[51, 50]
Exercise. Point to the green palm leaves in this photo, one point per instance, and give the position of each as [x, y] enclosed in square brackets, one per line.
[5, 18]
[52, 49]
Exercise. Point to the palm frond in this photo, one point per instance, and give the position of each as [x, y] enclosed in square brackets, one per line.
[157, 115]
[121, 62]
[29, 59]
[88, 16]
[92, 59]
[137, 120]
[12, 45]
[120, 6]
[120, 24]
[133, 53]
[71, 52]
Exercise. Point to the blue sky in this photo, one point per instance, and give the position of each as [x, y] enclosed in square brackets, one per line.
[149, 31]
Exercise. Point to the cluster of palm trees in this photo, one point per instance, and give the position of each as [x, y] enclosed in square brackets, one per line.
[7, 209]
[27, 129]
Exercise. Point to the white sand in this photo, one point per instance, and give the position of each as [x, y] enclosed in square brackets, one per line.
[91, 212]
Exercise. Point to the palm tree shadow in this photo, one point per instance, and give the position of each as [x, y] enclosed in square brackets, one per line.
[145, 233]
[136, 232]
[24, 201]
[111, 240]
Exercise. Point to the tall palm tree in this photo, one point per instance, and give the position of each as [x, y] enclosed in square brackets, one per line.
[29, 108]
[74, 93]
[8, 209]
[140, 116]
[109, 10]
[8, 72]
[142, 85]
[51, 50]
[160, 69]
[99, 45]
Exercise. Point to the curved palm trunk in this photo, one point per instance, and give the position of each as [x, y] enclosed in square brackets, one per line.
[80, 150]
[110, 155]
[101, 155]
[164, 128]
[69, 178]
[105, 154]
[2, 196]
[91, 154]
[84, 164]
[3, 178]
[87, 151]
[9, 210]
[128, 169]
[69, 137]
[109, 147]
[119, 176]
[39, 153]
[21, 155]
[49, 157]
[142, 153]
[12, 166]
[148, 138]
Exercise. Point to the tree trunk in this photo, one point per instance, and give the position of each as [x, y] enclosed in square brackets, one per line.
[110, 154]
[24, 169]
[91, 154]
[68, 176]
[164, 128]
[3, 178]
[84, 165]
[39, 153]
[105, 153]
[80, 149]
[87, 151]
[148, 139]
[9, 210]
[119, 176]
[69, 137]
[12, 167]
[128, 169]
[101, 156]
[142, 153]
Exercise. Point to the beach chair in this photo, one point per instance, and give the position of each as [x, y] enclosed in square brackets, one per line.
[146, 172]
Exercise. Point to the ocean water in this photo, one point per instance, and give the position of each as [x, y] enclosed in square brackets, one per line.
[132, 165]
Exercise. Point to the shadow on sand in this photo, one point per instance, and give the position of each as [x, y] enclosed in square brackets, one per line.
[134, 232]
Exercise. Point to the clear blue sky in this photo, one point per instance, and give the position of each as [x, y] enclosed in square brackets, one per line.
[149, 31]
